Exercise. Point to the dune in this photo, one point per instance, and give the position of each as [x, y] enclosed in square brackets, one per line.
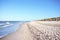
[36, 30]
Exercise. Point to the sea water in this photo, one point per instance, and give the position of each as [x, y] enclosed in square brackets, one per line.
[7, 27]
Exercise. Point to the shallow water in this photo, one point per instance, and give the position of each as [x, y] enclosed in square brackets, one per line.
[5, 30]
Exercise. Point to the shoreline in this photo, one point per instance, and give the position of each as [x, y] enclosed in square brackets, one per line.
[34, 30]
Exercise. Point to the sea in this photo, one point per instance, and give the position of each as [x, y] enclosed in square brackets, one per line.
[7, 27]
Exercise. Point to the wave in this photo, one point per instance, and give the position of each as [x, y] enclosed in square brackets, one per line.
[5, 24]
[8, 27]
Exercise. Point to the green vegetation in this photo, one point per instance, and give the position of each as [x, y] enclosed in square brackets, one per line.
[51, 19]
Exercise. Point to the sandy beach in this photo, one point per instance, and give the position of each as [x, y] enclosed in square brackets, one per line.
[36, 30]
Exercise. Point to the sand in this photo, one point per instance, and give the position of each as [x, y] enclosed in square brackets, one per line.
[36, 30]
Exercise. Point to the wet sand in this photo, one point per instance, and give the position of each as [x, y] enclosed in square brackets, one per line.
[36, 30]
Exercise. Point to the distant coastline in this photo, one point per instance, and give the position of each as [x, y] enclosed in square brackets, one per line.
[51, 19]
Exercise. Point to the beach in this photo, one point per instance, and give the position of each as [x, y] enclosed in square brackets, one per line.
[36, 30]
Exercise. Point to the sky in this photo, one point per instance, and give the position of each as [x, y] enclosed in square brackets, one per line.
[24, 10]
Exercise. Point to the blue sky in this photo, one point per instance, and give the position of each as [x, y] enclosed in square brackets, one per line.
[18, 10]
